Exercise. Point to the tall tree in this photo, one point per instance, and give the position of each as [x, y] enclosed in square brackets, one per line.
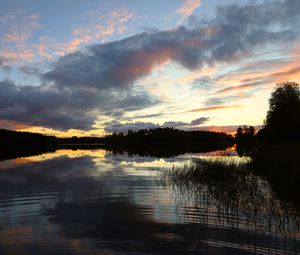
[283, 117]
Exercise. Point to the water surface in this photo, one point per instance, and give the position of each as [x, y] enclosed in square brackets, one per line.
[96, 202]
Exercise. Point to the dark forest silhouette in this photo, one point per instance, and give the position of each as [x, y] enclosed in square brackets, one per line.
[15, 144]
[160, 142]
[167, 142]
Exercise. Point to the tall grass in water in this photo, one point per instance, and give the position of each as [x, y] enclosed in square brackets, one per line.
[225, 192]
[200, 170]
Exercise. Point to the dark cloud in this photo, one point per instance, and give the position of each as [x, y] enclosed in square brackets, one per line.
[62, 109]
[193, 21]
[174, 124]
[199, 121]
[144, 116]
[116, 126]
[45, 107]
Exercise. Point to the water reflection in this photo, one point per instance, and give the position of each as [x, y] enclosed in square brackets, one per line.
[230, 198]
[95, 202]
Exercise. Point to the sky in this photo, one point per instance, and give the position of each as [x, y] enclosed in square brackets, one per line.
[91, 67]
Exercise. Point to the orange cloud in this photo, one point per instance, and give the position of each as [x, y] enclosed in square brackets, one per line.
[266, 76]
[286, 74]
[235, 88]
[213, 108]
[9, 124]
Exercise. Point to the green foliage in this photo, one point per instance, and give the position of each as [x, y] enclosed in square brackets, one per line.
[283, 117]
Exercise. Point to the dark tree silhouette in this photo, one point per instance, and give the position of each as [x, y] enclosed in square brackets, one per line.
[283, 118]
[245, 133]
[167, 142]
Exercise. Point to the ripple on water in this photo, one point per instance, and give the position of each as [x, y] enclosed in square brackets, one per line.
[100, 203]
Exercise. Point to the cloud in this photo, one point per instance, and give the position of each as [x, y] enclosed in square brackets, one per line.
[214, 107]
[199, 121]
[37, 106]
[236, 88]
[174, 124]
[102, 79]
[14, 40]
[116, 126]
[287, 73]
[236, 32]
[63, 109]
[188, 7]
[117, 104]
[13, 125]
[144, 116]
[5, 67]
[30, 70]
[106, 25]
[19, 32]
[283, 73]
[18, 49]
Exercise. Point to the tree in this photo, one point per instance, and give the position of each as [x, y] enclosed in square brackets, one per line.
[283, 117]
[245, 133]
[239, 132]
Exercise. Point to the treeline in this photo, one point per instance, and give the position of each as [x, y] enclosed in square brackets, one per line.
[167, 136]
[159, 142]
[20, 144]
[80, 140]
[166, 142]
[15, 144]
[17, 138]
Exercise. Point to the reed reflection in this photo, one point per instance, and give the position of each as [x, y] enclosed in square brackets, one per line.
[225, 195]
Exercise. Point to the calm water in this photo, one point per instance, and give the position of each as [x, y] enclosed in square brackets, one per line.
[95, 202]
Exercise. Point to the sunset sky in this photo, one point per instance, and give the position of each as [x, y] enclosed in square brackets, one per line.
[89, 67]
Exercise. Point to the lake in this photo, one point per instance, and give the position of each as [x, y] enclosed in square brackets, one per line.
[99, 202]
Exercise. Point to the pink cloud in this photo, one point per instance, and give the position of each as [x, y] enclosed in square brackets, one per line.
[15, 47]
[111, 23]
[18, 50]
[142, 63]
[19, 32]
[188, 7]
